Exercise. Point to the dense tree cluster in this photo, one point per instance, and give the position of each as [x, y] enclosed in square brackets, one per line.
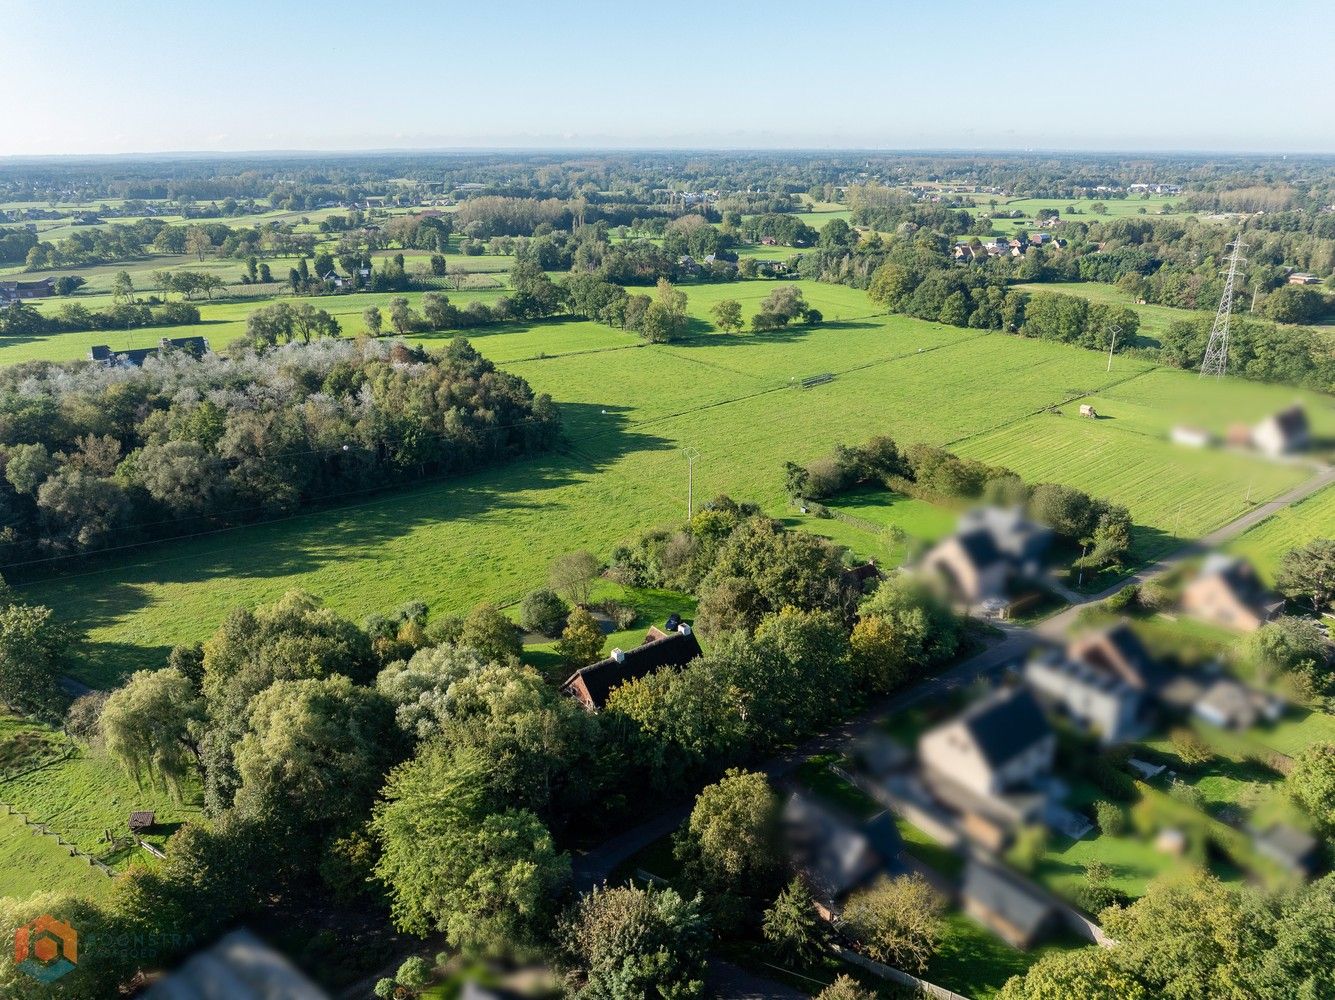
[1192, 937]
[1256, 350]
[22, 320]
[93, 454]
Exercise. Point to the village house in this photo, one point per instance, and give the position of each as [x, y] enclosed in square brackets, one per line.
[992, 761]
[1230, 704]
[1093, 698]
[1228, 592]
[1294, 850]
[592, 685]
[136, 356]
[994, 548]
[240, 967]
[1015, 911]
[1118, 652]
[838, 856]
[1283, 433]
[1189, 437]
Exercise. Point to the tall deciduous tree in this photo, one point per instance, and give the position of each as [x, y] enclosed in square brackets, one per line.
[453, 862]
[151, 726]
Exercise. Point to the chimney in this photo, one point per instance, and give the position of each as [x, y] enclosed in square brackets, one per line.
[684, 629]
[619, 655]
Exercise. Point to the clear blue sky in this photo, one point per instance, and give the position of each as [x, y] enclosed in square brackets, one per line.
[150, 76]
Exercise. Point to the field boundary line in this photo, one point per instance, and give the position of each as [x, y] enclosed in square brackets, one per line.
[1043, 409]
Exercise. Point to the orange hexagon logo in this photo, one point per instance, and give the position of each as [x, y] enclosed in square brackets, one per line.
[46, 948]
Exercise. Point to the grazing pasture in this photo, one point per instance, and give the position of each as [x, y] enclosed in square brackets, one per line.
[629, 410]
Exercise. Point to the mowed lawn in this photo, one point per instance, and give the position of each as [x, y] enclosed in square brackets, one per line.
[629, 411]
[1292, 527]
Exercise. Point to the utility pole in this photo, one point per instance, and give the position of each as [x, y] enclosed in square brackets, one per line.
[691, 455]
[1111, 347]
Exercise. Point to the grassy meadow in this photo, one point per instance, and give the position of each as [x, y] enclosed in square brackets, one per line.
[1292, 527]
[629, 409]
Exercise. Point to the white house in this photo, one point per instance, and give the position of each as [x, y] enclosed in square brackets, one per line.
[993, 759]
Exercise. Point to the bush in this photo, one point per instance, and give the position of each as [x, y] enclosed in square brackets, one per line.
[1154, 596]
[1123, 599]
[1110, 817]
[543, 612]
[623, 615]
[1190, 748]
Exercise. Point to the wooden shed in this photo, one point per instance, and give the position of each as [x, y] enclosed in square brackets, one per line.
[140, 821]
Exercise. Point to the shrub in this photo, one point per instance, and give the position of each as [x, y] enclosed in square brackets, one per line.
[1189, 747]
[542, 611]
[1123, 599]
[1110, 817]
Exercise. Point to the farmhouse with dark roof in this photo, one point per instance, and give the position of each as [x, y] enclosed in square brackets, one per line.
[591, 685]
[136, 356]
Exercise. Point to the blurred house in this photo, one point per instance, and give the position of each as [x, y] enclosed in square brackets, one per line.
[238, 967]
[1283, 433]
[993, 761]
[592, 685]
[994, 548]
[1228, 592]
[1231, 704]
[838, 855]
[1294, 850]
[1117, 651]
[1095, 699]
[1015, 910]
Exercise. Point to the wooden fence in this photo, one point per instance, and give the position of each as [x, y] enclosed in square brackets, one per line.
[46, 831]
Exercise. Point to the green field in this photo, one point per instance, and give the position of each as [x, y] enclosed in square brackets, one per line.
[629, 410]
[31, 862]
[1118, 208]
[1266, 544]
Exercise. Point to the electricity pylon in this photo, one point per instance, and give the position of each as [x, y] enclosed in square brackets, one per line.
[1216, 352]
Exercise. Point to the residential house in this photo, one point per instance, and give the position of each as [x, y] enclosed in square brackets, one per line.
[1293, 849]
[675, 648]
[837, 855]
[1040, 238]
[1303, 278]
[1092, 697]
[1015, 910]
[1190, 437]
[993, 760]
[1118, 652]
[1283, 433]
[136, 356]
[240, 967]
[1228, 592]
[1230, 704]
[993, 548]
